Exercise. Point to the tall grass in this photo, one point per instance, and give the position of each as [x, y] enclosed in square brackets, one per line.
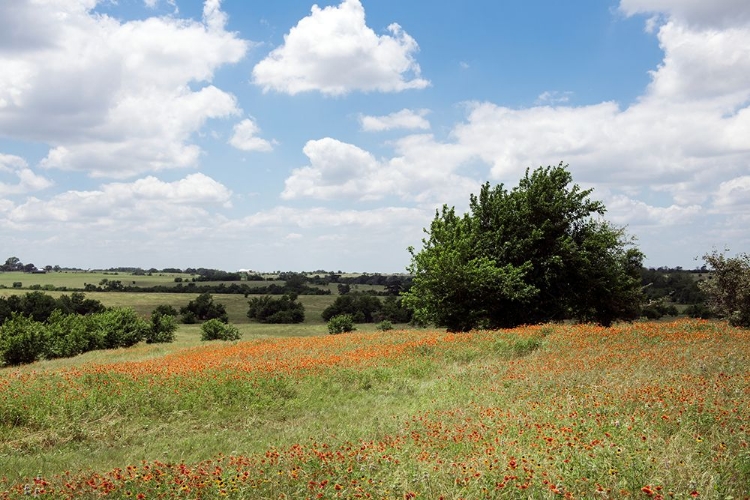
[649, 410]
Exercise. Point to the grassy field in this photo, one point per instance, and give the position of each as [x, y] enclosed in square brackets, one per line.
[79, 279]
[648, 410]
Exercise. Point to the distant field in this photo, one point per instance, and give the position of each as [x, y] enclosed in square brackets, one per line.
[79, 279]
[72, 279]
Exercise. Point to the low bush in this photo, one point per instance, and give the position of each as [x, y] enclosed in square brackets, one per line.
[163, 328]
[341, 323]
[286, 309]
[204, 308]
[384, 326]
[69, 335]
[21, 340]
[214, 329]
[121, 327]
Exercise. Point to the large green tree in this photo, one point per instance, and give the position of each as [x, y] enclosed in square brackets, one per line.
[539, 252]
[728, 287]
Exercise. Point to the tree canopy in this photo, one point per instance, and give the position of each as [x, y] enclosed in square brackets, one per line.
[728, 287]
[539, 252]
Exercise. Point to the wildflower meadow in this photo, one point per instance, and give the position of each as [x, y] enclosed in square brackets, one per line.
[641, 410]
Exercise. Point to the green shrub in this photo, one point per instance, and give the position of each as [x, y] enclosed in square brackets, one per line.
[214, 329]
[384, 326]
[341, 323]
[728, 287]
[21, 340]
[188, 318]
[163, 328]
[70, 335]
[121, 327]
[360, 306]
[165, 309]
[286, 309]
[204, 308]
[699, 311]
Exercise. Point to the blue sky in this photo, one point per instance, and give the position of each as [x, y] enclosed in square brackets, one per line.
[289, 135]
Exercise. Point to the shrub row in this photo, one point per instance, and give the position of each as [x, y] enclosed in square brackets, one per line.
[25, 340]
[367, 308]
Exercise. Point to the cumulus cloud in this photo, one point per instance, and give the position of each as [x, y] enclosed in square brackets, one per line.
[659, 160]
[716, 13]
[127, 96]
[333, 51]
[421, 171]
[244, 137]
[404, 119]
[552, 97]
[145, 203]
[628, 211]
[27, 181]
[733, 196]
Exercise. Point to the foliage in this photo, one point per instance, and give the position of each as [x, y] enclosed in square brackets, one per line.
[165, 309]
[40, 306]
[284, 310]
[120, 327]
[728, 287]
[204, 308]
[675, 285]
[341, 323]
[384, 326]
[701, 311]
[12, 264]
[659, 309]
[77, 303]
[214, 329]
[69, 335]
[367, 308]
[540, 252]
[25, 340]
[21, 340]
[163, 328]
[361, 306]
[394, 309]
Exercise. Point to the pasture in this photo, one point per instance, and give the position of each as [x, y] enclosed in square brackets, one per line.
[643, 410]
[79, 279]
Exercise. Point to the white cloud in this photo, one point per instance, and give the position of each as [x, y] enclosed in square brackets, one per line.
[422, 171]
[404, 119]
[658, 160]
[733, 196]
[623, 210]
[716, 13]
[147, 203]
[244, 137]
[27, 182]
[553, 97]
[333, 51]
[701, 65]
[127, 95]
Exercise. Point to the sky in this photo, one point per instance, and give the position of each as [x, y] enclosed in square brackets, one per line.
[290, 135]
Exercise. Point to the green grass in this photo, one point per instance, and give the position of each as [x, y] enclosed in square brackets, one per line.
[79, 279]
[634, 411]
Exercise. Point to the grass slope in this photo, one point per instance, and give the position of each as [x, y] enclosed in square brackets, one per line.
[650, 410]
